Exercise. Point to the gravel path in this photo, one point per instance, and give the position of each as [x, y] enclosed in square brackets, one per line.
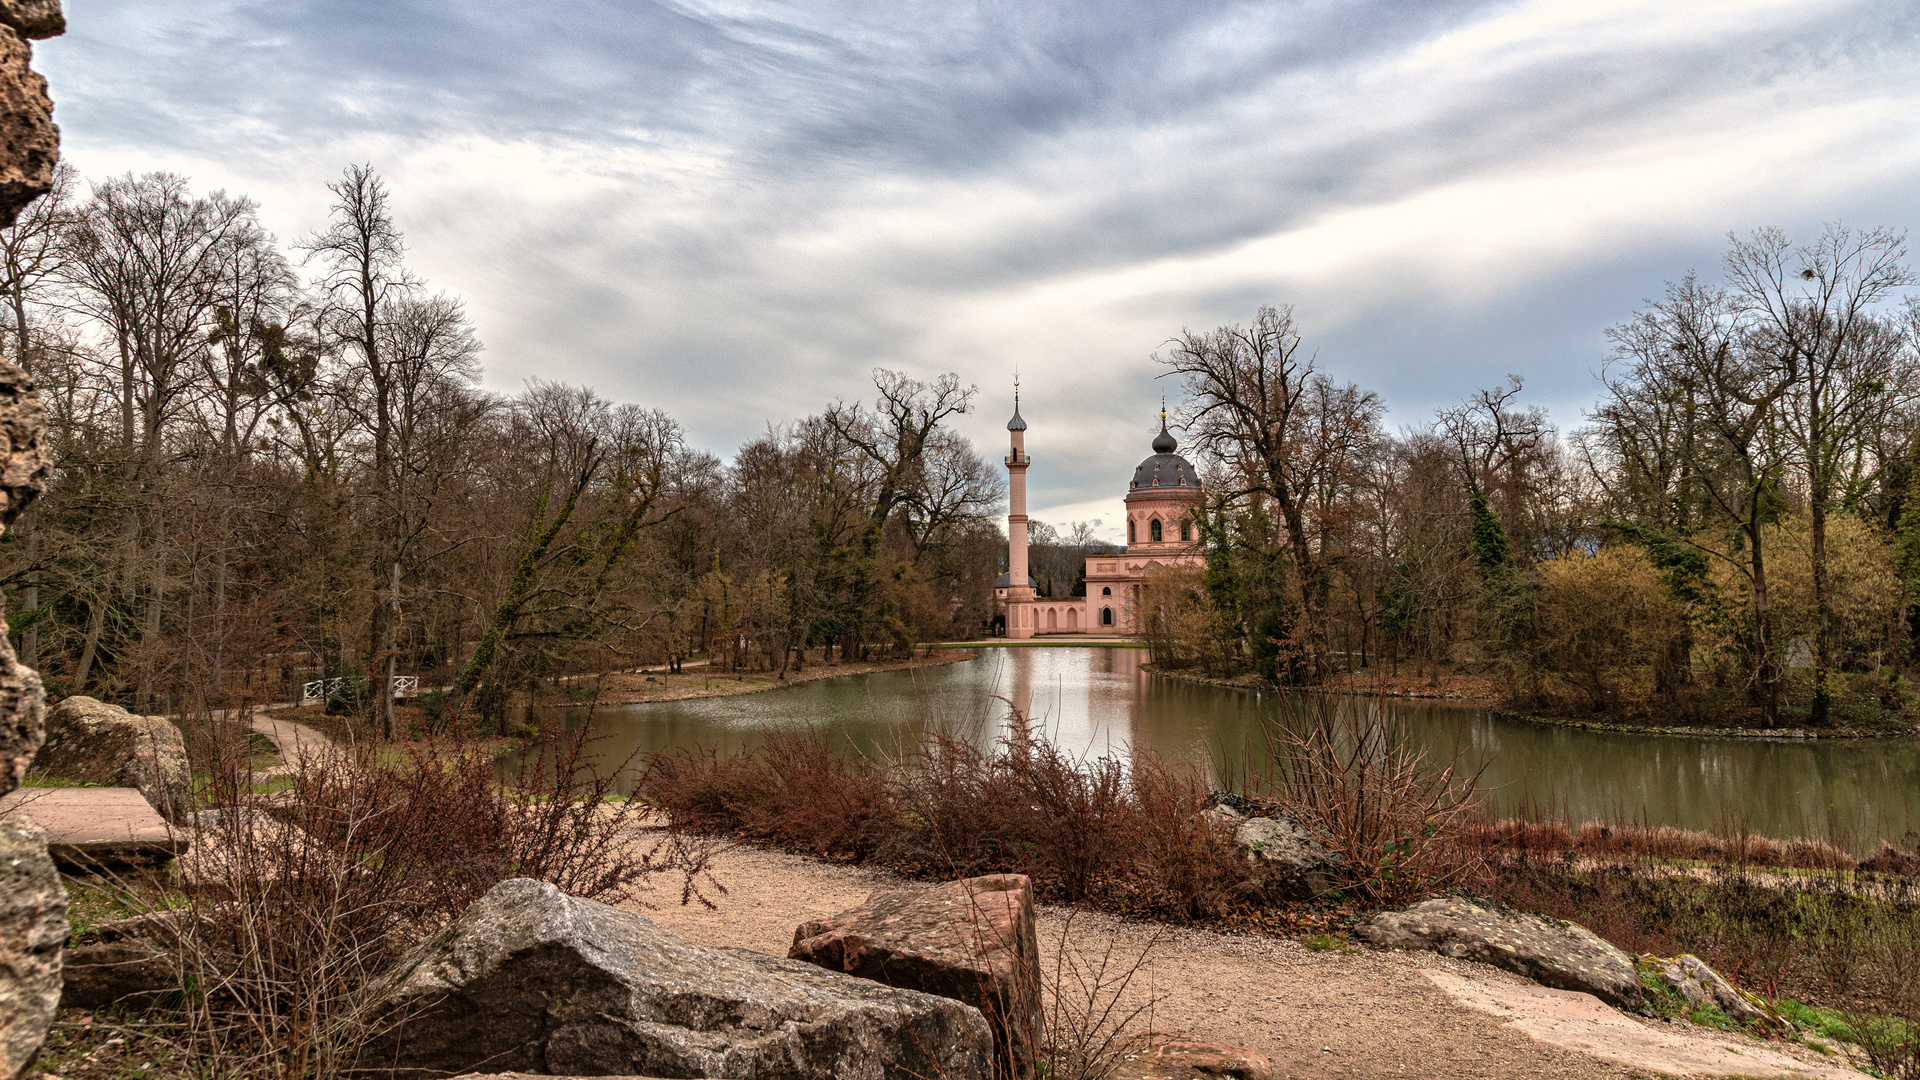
[1327, 1014]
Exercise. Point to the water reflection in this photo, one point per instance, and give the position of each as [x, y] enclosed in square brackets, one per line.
[1096, 701]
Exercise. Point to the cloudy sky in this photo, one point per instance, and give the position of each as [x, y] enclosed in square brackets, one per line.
[735, 210]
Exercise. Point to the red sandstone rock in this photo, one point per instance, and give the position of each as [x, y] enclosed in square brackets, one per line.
[1176, 1057]
[971, 940]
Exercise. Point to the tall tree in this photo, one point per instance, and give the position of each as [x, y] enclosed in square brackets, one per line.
[1811, 307]
[1281, 431]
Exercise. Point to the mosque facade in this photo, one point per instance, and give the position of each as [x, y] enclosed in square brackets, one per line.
[1163, 503]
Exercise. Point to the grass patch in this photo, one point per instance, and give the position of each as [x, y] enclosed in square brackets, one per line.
[1331, 943]
[42, 780]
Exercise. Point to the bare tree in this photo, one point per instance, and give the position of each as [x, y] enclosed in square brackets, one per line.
[1689, 350]
[1811, 307]
[1281, 430]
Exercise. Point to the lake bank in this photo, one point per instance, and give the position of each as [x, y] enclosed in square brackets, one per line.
[1484, 692]
[643, 687]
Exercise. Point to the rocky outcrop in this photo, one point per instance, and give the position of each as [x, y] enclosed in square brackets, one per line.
[29, 141]
[971, 940]
[33, 906]
[105, 744]
[1550, 952]
[530, 979]
[1695, 980]
[33, 927]
[1176, 1057]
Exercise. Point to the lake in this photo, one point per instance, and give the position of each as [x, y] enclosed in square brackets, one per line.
[1098, 700]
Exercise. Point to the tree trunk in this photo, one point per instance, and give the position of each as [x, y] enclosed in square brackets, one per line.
[30, 590]
[1823, 604]
[393, 660]
[1765, 677]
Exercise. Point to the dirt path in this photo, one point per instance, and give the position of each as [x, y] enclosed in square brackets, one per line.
[1327, 1014]
[297, 742]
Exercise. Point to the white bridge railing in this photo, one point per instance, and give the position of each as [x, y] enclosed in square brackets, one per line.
[322, 689]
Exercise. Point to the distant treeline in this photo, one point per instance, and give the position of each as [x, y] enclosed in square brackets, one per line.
[1728, 536]
[273, 463]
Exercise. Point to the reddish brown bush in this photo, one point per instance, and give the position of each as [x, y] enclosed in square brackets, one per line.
[1126, 833]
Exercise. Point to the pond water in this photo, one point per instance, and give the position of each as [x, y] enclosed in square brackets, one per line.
[1098, 700]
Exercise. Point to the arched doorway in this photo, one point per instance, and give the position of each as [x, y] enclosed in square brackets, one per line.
[1106, 616]
[1073, 619]
[1053, 618]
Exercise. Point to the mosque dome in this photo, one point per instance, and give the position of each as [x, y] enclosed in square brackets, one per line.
[1165, 469]
[1016, 424]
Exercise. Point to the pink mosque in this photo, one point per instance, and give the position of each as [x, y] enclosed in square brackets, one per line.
[1161, 505]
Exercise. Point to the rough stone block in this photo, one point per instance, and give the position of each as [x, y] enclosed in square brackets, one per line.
[105, 744]
[971, 940]
[529, 979]
[1550, 952]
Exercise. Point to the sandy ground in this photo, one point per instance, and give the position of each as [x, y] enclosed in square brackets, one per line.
[1313, 1014]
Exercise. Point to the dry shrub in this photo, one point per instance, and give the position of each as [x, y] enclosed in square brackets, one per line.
[1092, 1021]
[1390, 811]
[1130, 834]
[792, 791]
[294, 905]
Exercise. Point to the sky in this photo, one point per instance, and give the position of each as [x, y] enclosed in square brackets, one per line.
[737, 210]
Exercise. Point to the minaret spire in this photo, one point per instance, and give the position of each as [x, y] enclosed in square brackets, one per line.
[1019, 593]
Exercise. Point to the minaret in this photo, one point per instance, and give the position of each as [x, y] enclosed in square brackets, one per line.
[1018, 588]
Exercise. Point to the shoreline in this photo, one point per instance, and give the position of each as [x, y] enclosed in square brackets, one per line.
[642, 688]
[1682, 731]
[1493, 708]
[1353, 689]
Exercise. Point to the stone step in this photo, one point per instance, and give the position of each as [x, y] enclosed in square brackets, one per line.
[104, 827]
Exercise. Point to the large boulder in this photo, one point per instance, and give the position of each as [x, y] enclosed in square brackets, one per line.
[99, 743]
[1550, 952]
[1294, 862]
[33, 927]
[971, 940]
[529, 979]
[1696, 981]
[1291, 862]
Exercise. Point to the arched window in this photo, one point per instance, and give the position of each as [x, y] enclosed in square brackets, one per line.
[1106, 590]
[1106, 616]
[1153, 530]
[1130, 532]
[1186, 530]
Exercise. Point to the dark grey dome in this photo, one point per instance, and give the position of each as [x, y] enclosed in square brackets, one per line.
[1016, 424]
[1164, 443]
[1166, 471]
